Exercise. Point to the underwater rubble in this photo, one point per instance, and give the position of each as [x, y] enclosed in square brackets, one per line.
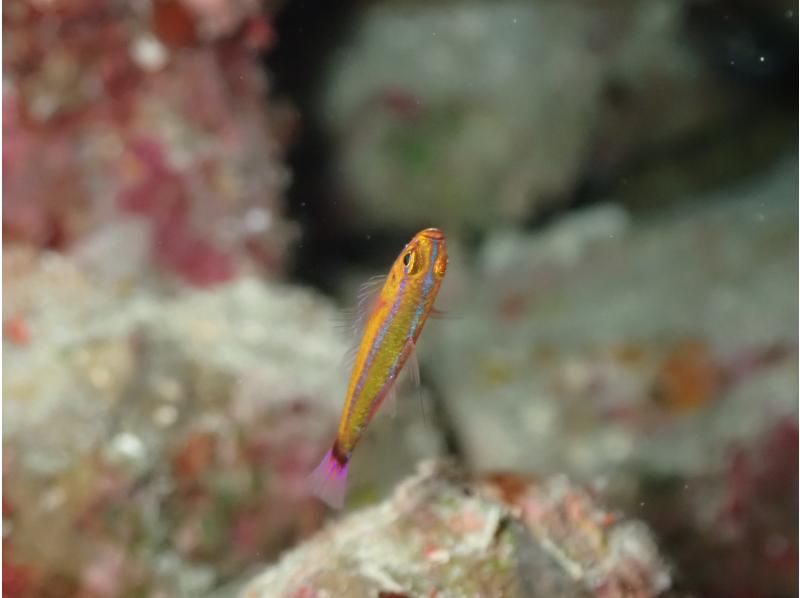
[443, 535]
[102, 124]
[173, 432]
[170, 435]
[640, 353]
[631, 371]
[598, 350]
[732, 531]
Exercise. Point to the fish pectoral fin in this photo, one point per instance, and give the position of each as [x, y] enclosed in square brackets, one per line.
[391, 402]
[388, 404]
[412, 363]
[412, 367]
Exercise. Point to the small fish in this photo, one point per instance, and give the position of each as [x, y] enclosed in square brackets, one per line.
[392, 322]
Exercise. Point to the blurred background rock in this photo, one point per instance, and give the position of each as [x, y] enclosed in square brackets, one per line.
[195, 187]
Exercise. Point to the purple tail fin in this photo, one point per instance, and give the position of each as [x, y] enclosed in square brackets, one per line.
[329, 480]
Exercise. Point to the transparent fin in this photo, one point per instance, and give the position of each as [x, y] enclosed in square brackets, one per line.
[328, 481]
[412, 363]
[412, 367]
[353, 321]
[365, 301]
[345, 321]
[349, 357]
[391, 402]
[389, 399]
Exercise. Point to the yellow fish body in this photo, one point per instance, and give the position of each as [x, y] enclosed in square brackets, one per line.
[392, 325]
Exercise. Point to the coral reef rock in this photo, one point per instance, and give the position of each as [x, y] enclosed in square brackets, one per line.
[143, 111]
[445, 536]
[173, 431]
[470, 113]
[171, 435]
[609, 339]
[653, 357]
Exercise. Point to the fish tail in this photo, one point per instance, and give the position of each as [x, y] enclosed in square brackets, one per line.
[329, 480]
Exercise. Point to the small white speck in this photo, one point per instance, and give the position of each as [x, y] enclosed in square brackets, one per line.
[148, 53]
[257, 220]
[789, 13]
[761, 59]
[641, 504]
[127, 445]
[733, 62]
[514, 20]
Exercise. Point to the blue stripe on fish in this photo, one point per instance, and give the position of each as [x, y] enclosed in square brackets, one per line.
[379, 339]
[426, 291]
[427, 284]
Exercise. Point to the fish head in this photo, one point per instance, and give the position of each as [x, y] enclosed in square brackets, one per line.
[425, 255]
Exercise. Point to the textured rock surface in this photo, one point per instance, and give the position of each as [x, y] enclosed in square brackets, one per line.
[174, 432]
[606, 340]
[440, 535]
[739, 520]
[172, 435]
[647, 354]
[468, 113]
[102, 123]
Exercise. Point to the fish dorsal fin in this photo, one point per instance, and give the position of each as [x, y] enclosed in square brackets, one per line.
[349, 358]
[365, 300]
[354, 320]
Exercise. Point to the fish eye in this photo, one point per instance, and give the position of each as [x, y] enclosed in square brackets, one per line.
[412, 262]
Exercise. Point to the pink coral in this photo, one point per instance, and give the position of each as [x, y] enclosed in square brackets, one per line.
[91, 91]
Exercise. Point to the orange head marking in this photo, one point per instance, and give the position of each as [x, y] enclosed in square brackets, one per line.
[424, 255]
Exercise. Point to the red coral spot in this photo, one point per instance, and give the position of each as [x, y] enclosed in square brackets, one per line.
[18, 579]
[259, 34]
[194, 457]
[173, 24]
[159, 194]
[16, 330]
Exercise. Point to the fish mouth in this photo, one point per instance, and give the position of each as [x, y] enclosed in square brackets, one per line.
[432, 233]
